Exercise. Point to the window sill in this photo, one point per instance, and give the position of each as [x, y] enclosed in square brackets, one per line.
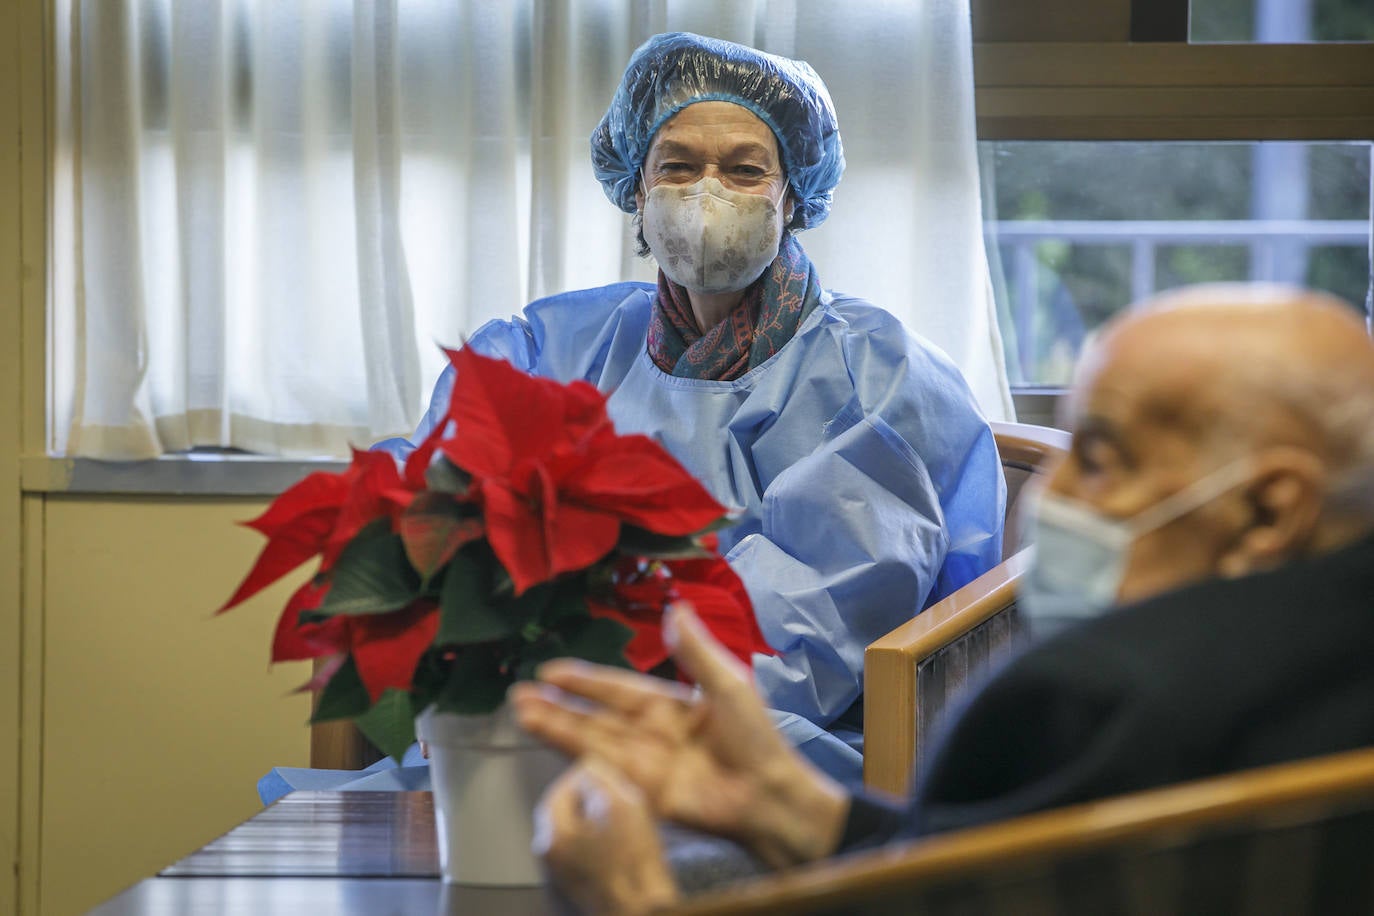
[170, 475]
[214, 474]
[1037, 405]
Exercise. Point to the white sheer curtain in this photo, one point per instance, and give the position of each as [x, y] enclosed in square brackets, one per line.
[266, 213]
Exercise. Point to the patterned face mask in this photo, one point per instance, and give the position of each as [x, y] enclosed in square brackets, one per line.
[711, 239]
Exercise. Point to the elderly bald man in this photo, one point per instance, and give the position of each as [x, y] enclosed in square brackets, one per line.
[1221, 485]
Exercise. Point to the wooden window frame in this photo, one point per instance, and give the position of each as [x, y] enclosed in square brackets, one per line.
[1123, 70]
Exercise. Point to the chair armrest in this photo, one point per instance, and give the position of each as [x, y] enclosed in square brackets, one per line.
[1055, 858]
[890, 670]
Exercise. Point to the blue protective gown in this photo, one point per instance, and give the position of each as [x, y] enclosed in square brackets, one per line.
[868, 483]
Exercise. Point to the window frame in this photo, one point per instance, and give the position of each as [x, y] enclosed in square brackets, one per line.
[1125, 70]
[1043, 70]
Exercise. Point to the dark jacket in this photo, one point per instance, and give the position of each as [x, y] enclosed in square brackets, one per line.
[1221, 676]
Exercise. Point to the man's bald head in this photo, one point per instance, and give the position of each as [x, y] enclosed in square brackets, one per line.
[1250, 364]
[1203, 377]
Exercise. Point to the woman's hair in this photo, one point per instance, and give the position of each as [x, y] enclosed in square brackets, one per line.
[671, 71]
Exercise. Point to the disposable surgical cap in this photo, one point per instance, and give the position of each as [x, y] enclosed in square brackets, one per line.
[676, 69]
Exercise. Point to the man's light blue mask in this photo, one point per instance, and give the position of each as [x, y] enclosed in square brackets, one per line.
[1080, 556]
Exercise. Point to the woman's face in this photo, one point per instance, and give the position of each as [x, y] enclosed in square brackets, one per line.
[718, 140]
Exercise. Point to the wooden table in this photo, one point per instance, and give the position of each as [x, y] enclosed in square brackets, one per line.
[323, 853]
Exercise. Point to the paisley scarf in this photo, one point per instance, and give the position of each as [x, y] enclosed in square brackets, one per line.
[766, 318]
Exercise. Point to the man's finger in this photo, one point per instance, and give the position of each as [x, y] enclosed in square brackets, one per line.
[615, 789]
[698, 653]
[550, 721]
[616, 688]
[555, 813]
[542, 712]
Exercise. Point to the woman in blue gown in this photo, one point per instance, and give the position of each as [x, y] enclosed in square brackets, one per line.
[867, 483]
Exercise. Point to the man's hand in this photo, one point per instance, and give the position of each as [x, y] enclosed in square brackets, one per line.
[596, 835]
[710, 760]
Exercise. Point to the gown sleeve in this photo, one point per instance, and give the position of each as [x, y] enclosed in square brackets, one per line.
[900, 504]
[873, 822]
[511, 339]
[587, 328]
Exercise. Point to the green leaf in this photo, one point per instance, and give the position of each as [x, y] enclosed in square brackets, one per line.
[430, 675]
[532, 655]
[372, 575]
[594, 639]
[568, 602]
[444, 476]
[532, 603]
[475, 685]
[390, 723]
[598, 639]
[343, 697]
[466, 615]
[725, 521]
[433, 528]
[642, 543]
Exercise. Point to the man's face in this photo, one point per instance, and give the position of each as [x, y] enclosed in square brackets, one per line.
[1140, 417]
[718, 140]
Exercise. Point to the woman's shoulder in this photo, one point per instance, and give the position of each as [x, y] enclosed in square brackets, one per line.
[591, 334]
[601, 301]
[868, 331]
[895, 371]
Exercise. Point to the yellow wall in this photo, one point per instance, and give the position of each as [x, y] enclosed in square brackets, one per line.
[133, 726]
[158, 718]
[10, 410]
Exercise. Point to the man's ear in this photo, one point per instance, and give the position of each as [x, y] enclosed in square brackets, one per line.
[1285, 504]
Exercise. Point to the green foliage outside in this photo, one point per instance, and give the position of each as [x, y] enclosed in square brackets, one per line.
[1078, 284]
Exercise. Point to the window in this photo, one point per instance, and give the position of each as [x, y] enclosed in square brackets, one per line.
[1076, 231]
[1121, 157]
[1280, 21]
[266, 214]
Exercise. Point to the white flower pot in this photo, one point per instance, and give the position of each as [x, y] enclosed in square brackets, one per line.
[487, 775]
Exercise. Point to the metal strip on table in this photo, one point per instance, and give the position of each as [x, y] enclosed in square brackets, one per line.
[334, 834]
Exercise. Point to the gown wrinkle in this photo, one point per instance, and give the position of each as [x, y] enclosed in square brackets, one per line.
[850, 455]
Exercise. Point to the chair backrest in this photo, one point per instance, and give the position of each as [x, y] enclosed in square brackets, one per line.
[912, 674]
[1294, 838]
[1025, 451]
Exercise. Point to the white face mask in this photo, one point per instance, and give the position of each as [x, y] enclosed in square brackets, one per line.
[1080, 556]
[708, 238]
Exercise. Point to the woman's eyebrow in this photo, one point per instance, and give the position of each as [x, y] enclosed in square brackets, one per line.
[671, 148]
[752, 148]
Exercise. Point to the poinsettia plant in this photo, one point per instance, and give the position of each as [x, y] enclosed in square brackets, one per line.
[522, 529]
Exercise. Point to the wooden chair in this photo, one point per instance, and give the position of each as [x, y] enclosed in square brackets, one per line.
[912, 673]
[1288, 839]
[338, 745]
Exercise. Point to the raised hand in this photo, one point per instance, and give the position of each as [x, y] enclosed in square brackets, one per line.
[709, 759]
[597, 837]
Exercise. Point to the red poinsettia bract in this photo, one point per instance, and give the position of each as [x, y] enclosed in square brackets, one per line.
[643, 589]
[319, 516]
[385, 647]
[554, 479]
[536, 469]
